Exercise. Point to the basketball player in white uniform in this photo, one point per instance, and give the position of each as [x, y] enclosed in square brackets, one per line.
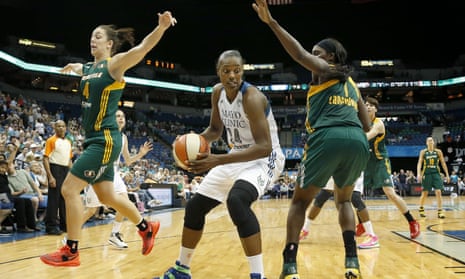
[91, 201]
[238, 177]
[364, 227]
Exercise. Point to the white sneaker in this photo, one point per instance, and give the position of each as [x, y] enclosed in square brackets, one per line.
[117, 241]
[110, 216]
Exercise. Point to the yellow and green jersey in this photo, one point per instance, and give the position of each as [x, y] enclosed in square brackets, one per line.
[100, 97]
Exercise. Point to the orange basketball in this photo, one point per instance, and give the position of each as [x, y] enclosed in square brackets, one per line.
[187, 147]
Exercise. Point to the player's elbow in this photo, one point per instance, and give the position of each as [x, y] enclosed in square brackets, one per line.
[265, 149]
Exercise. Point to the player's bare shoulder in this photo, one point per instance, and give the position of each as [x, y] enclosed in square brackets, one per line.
[378, 126]
[439, 151]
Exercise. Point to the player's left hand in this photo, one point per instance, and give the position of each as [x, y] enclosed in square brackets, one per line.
[204, 162]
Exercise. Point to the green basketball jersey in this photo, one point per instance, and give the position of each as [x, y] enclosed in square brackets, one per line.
[333, 103]
[100, 97]
[378, 145]
[430, 162]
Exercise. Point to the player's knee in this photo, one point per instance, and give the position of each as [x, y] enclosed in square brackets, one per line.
[239, 199]
[357, 201]
[321, 198]
[196, 210]
[238, 202]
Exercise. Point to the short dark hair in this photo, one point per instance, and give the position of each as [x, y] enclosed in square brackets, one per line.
[372, 101]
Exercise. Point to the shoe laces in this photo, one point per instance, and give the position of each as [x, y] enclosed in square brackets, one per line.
[373, 238]
[63, 250]
[149, 231]
[119, 236]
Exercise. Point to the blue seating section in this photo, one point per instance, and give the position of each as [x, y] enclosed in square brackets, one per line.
[407, 133]
[160, 153]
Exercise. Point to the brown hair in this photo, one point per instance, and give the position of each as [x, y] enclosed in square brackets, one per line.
[119, 36]
[372, 101]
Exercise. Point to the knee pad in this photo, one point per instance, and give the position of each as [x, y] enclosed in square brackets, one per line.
[240, 198]
[196, 210]
[357, 201]
[322, 197]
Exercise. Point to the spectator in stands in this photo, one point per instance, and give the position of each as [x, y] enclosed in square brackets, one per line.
[20, 160]
[24, 210]
[454, 178]
[335, 136]
[159, 176]
[23, 186]
[187, 187]
[403, 186]
[39, 176]
[6, 199]
[276, 189]
[136, 193]
[461, 186]
[36, 148]
[102, 85]
[429, 176]
[195, 183]
[39, 126]
[411, 178]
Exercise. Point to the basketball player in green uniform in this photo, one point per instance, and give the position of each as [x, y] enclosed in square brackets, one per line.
[102, 84]
[429, 176]
[378, 171]
[336, 146]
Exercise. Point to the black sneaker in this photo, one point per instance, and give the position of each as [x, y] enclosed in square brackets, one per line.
[53, 231]
[5, 232]
[289, 271]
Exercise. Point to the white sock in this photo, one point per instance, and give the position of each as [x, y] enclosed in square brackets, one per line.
[256, 264]
[307, 224]
[116, 227]
[185, 256]
[368, 227]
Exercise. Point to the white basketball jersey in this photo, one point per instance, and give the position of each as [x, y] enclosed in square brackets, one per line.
[237, 124]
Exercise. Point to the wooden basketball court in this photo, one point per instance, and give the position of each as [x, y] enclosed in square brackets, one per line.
[439, 252]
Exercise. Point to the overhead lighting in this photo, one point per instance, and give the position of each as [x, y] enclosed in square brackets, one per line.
[374, 63]
[254, 67]
[28, 42]
[279, 2]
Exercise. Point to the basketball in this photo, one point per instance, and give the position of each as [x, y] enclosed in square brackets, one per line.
[187, 146]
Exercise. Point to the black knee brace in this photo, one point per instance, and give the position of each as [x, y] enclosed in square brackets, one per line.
[357, 201]
[322, 197]
[239, 200]
[196, 209]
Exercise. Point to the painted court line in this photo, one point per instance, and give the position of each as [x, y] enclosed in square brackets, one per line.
[448, 246]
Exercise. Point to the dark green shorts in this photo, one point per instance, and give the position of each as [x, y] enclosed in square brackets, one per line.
[378, 174]
[101, 150]
[432, 181]
[340, 152]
